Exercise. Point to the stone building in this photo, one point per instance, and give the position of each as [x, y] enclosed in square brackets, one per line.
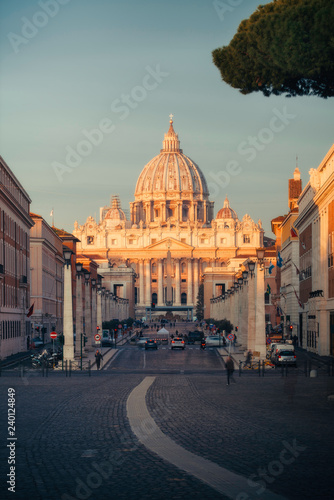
[288, 245]
[15, 224]
[47, 262]
[171, 237]
[315, 226]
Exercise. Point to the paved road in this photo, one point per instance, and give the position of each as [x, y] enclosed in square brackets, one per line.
[77, 439]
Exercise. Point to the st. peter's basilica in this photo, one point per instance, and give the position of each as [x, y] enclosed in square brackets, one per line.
[173, 241]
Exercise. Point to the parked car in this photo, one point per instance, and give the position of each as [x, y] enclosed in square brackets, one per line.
[177, 342]
[285, 356]
[213, 340]
[151, 344]
[37, 342]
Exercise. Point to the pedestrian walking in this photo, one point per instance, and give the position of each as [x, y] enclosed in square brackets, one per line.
[249, 359]
[98, 357]
[229, 363]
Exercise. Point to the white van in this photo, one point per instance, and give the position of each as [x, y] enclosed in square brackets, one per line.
[276, 347]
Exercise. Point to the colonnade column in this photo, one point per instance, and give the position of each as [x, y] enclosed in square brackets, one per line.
[141, 283]
[160, 284]
[177, 283]
[88, 318]
[190, 283]
[260, 324]
[196, 280]
[148, 294]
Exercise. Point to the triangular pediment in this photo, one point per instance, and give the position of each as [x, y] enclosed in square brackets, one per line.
[169, 244]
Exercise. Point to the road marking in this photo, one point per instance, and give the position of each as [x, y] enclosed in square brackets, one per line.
[222, 480]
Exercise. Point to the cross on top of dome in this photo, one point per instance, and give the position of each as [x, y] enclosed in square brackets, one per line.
[171, 141]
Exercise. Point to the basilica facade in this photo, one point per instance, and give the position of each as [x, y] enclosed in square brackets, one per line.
[172, 240]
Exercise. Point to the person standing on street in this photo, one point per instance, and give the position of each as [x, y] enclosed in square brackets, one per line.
[98, 357]
[230, 369]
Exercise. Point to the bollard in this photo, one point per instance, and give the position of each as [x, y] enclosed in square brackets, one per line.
[263, 365]
[89, 368]
[240, 368]
[47, 369]
[65, 367]
[70, 368]
[259, 368]
[43, 367]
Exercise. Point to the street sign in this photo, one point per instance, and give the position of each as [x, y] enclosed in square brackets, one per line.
[230, 337]
[268, 340]
[119, 326]
[53, 335]
[97, 337]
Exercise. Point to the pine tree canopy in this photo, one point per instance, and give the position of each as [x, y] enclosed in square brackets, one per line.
[285, 47]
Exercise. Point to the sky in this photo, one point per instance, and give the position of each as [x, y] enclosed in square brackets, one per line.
[87, 87]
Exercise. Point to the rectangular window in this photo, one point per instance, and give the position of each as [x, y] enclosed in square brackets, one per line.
[246, 238]
[204, 240]
[114, 242]
[223, 240]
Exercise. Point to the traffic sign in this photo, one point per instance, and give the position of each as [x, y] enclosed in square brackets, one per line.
[97, 337]
[53, 335]
[268, 340]
[230, 337]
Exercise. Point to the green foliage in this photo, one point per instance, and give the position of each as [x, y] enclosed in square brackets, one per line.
[222, 324]
[285, 47]
[200, 303]
[112, 324]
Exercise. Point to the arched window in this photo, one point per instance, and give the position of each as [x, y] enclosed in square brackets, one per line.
[183, 268]
[267, 298]
[183, 298]
[154, 268]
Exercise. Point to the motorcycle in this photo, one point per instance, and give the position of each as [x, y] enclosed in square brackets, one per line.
[203, 345]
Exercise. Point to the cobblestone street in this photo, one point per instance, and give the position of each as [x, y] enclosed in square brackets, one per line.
[74, 439]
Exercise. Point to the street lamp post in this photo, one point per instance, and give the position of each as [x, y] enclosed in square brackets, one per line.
[68, 352]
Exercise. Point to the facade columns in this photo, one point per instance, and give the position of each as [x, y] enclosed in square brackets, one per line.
[160, 283]
[177, 283]
[190, 283]
[148, 295]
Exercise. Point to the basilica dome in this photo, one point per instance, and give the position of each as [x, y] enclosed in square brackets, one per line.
[114, 214]
[226, 212]
[171, 174]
